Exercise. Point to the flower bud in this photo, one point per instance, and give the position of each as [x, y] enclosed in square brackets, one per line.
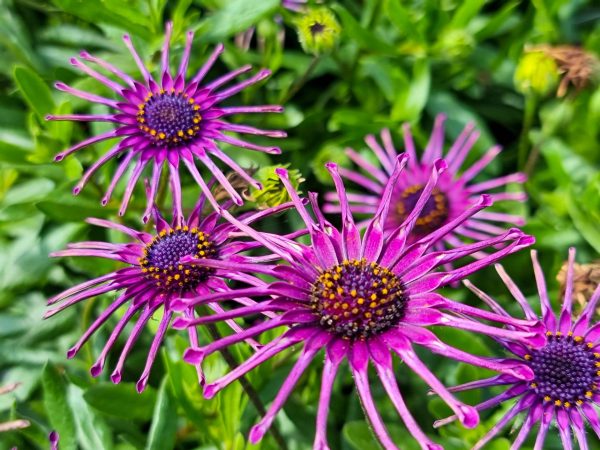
[273, 192]
[318, 30]
[536, 73]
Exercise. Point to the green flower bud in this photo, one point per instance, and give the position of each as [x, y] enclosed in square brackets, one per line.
[536, 73]
[454, 44]
[318, 31]
[273, 192]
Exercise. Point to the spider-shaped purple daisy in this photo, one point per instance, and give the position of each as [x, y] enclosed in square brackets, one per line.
[157, 274]
[566, 368]
[168, 121]
[453, 194]
[361, 299]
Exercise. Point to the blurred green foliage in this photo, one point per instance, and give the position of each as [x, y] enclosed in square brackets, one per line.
[396, 61]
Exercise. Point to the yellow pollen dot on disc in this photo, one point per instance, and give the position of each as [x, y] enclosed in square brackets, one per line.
[373, 296]
[190, 131]
[196, 120]
[345, 306]
[527, 357]
[579, 402]
[557, 402]
[336, 277]
[558, 333]
[177, 276]
[202, 253]
[162, 135]
[352, 292]
[340, 290]
[589, 394]
[191, 100]
[570, 333]
[548, 333]
[375, 284]
[547, 398]
[384, 280]
[360, 301]
[368, 315]
[567, 405]
[384, 291]
[533, 385]
[196, 107]
[187, 271]
[373, 305]
[578, 338]
[331, 296]
[590, 344]
[596, 355]
[354, 310]
[153, 132]
[180, 133]
[336, 305]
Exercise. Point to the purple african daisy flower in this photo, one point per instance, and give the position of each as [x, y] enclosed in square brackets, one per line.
[566, 368]
[453, 194]
[168, 121]
[362, 299]
[156, 274]
[294, 5]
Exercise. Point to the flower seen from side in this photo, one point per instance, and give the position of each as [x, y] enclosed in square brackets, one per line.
[362, 299]
[454, 193]
[167, 121]
[565, 388]
[160, 268]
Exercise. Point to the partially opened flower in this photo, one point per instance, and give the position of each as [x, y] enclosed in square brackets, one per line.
[167, 121]
[360, 299]
[566, 368]
[453, 195]
[156, 274]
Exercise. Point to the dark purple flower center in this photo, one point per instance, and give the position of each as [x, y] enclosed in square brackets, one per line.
[161, 261]
[169, 118]
[358, 299]
[434, 214]
[317, 28]
[567, 370]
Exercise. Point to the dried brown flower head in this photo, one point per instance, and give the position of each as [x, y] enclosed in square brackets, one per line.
[576, 66]
[586, 279]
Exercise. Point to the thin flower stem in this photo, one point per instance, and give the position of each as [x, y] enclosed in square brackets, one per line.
[301, 81]
[528, 118]
[248, 388]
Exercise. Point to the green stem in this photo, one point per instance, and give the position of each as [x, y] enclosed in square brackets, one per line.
[248, 388]
[529, 115]
[301, 81]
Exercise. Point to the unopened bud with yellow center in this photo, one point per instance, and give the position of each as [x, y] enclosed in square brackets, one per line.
[273, 192]
[318, 30]
[536, 73]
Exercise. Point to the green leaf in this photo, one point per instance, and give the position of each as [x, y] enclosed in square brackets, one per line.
[363, 37]
[121, 400]
[57, 408]
[466, 12]
[233, 17]
[36, 92]
[164, 421]
[93, 433]
[125, 16]
[359, 436]
[411, 101]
